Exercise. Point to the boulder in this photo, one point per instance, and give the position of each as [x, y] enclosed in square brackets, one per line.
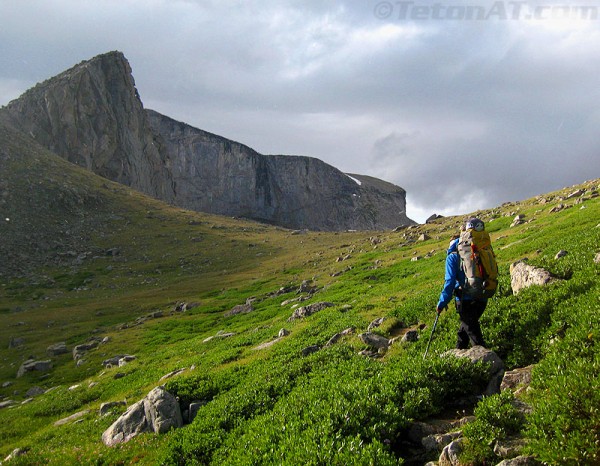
[376, 323]
[450, 454]
[310, 350]
[15, 342]
[34, 391]
[158, 412]
[561, 253]
[283, 333]
[240, 309]
[306, 311]
[509, 448]
[520, 377]
[16, 453]
[523, 275]
[80, 350]
[481, 354]
[31, 365]
[374, 341]
[437, 442]
[410, 336]
[57, 349]
[597, 258]
[520, 461]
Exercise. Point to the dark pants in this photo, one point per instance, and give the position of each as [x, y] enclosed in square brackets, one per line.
[469, 313]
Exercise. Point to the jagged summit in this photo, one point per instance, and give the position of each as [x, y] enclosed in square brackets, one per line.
[92, 115]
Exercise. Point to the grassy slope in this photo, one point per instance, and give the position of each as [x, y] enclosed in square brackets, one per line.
[167, 256]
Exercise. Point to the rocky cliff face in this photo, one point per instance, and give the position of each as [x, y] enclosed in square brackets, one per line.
[92, 116]
[214, 174]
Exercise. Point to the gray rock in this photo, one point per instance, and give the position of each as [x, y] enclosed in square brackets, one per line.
[106, 408]
[437, 442]
[240, 309]
[16, 453]
[509, 448]
[310, 350]
[309, 310]
[411, 336]
[374, 341]
[481, 354]
[80, 350]
[30, 365]
[172, 374]
[158, 412]
[523, 275]
[597, 258]
[194, 408]
[7, 384]
[520, 377]
[7, 403]
[34, 391]
[71, 418]
[520, 461]
[283, 333]
[561, 253]
[376, 323]
[57, 349]
[450, 454]
[16, 342]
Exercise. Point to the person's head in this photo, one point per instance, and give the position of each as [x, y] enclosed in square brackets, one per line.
[474, 224]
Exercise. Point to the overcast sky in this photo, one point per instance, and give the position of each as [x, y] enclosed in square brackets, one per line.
[465, 104]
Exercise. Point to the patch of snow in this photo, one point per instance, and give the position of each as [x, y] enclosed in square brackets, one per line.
[358, 182]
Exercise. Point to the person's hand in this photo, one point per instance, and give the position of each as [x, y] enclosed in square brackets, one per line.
[439, 309]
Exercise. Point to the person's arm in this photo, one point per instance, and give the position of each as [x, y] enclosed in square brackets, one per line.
[450, 281]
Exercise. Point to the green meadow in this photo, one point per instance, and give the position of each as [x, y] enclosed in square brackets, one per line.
[88, 258]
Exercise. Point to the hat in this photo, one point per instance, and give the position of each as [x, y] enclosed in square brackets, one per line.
[474, 224]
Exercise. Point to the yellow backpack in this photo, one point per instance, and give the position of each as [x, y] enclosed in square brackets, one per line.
[478, 262]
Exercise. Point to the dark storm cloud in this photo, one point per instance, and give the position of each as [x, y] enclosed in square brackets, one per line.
[464, 113]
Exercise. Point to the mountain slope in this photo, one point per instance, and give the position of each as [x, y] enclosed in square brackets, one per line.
[264, 399]
[92, 115]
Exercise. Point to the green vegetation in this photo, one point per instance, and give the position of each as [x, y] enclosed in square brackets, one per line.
[273, 405]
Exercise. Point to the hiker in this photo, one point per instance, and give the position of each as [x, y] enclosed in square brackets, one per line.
[468, 308]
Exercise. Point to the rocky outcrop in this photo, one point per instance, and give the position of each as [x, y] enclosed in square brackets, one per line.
[30, 365]
[92, 116]
[480, 354]
[158, 412]
[217, 175]
[523, 275]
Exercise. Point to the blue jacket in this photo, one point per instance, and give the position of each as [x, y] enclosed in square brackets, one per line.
[455, 277]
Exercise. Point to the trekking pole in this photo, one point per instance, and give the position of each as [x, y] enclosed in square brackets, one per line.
[432, 331]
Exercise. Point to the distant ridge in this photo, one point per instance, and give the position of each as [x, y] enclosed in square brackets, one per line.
[92, 116]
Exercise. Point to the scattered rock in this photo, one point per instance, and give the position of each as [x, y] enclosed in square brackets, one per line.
[194, 408]
[423, 237]
[80, 350]
[450, 454]
[31, 365]
[509, 448]
[57, 349]
[16, 342]
[7, 403]
[106, 408]
[310, 350]
[374, 341]
[518, 220]
[158, 412]
[240, 309]
[376, 323]
[7, 384]
[410, 336]
[34, 391]
[432, 218]
[172, 374]
[597, 258]
[481, 354]
[561, 253]
[520, 461]
[71, 418]
[437, 442]
[118, 360]
[520, 377]
[283, 333]
[306, 311]
[523, 275]
[16, 453]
